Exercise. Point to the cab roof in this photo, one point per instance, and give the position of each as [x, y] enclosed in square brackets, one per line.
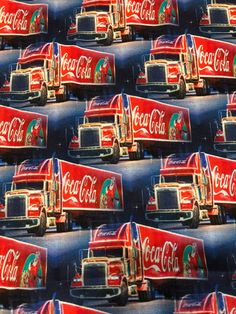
[169, 44]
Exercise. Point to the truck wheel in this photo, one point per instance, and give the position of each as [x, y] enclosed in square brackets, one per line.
[205, 90]
[219, 219]
[194, 222]
[116, 154]
[148, 295]
[108, 41]
[41, 229]
[123, 298]
[63, 97]
[182, 90]
[43, 98]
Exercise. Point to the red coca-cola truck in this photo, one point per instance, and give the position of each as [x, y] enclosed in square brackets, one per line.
[21, 133]
[225, 138]
[212, 303]
[131, 259]
[219, 17]
[194, 187]
[19, 21]
[106, 20]
[178, 64]
[124, 125]
[51, 71]
[54, 192]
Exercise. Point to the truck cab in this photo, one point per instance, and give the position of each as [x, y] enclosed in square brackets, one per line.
[36, 77]
[100, 21]
[219, 16]
[113, 268]
[225, 138]
[171, 68]
[106, 131]
[32, 198]
[183, 192]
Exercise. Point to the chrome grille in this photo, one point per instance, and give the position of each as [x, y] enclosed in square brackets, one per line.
[16, 206]
[167, 199]
[156, 73]
[94, 274]
[89, 137]
[20, 83]
[218, 16]
[86, 24]
[230, 131]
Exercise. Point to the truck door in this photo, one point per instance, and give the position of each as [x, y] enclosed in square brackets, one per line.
[137, 251]
[55, 189]
[205, 182]
[191, 62]
[54, 68]
[126, 122]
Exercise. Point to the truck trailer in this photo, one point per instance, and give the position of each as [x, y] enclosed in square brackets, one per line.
[219, 17]
[105, 20]
[178, 64]
[130, 259]
[21, 133]
[20, 22]
[194, 187]
[51, 71]
[54, 193]
[125, 125]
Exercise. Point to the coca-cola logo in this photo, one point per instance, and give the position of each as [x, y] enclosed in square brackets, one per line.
[106, 234]
[161, 258]
[8, 266]
[12, 131]
[176, 162]
[214, 61]
[79, 68]
[15, 21]
[83, 191]
[224, 183]
[152, 123]
[144, 10]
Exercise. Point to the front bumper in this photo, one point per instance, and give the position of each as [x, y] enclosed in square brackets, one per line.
[93, 293]
[20, 96]
[19, 223]
[91, 152]
[214, 28]
[225, 147]
[169, 215]
[157, 88]
[88, 36]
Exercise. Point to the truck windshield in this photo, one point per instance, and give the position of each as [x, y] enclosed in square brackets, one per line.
[97, 8]
[232, 113]
[107, 119]
[29, 185]
[32, 64]
[114, 252]
[166, 56]
[178, 179]
[225, 2]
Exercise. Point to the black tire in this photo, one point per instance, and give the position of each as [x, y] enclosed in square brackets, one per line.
[205, 90]
[123, 297]
[43, 97]
[116, 154]
[63, 97]
[194, 222]
[182, 90]
[219, 219]
[65, 226]
[108, 41]
[148, 295]
[41, 229]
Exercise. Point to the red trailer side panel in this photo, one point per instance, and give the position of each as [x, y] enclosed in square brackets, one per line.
[18, 18]
[22, 129]
[167, 255]
[85, 66]
[153, 120]
[152, 13]
[22, 265]
[88, 188]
